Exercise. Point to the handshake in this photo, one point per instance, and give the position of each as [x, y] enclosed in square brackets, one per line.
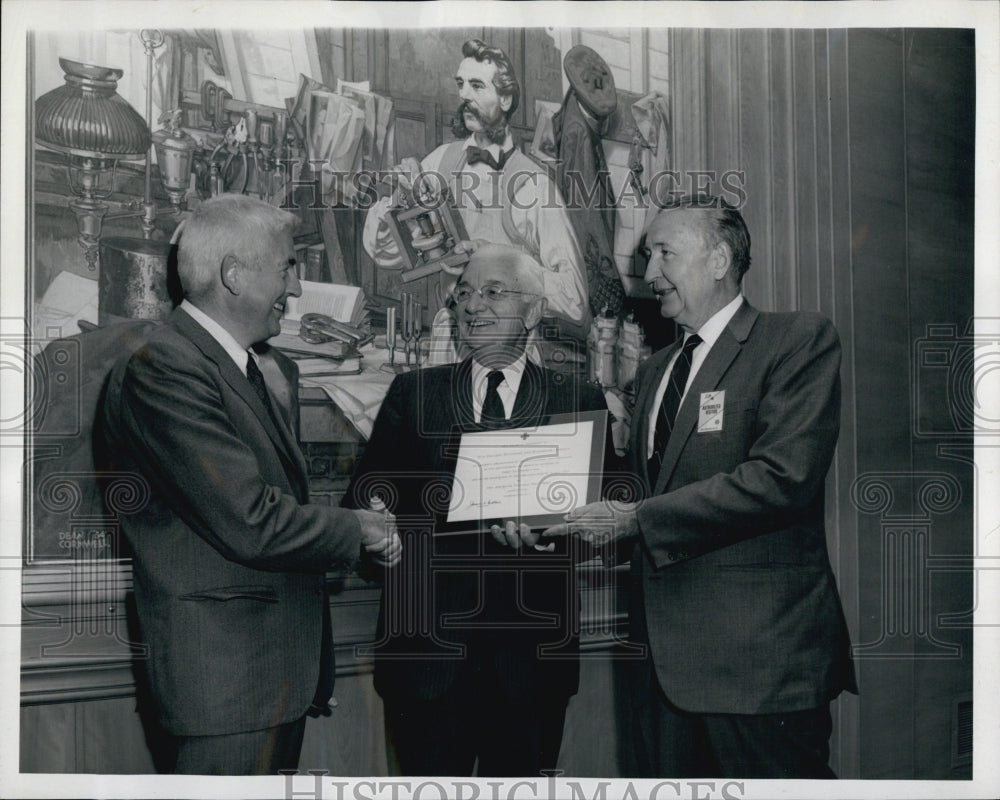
[379, 535]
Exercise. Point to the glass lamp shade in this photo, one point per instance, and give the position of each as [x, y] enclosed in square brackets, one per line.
[95, 127]
[87, 117]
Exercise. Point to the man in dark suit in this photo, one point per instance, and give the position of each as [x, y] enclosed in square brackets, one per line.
[476, 652]
[734, 430]
[229, 554]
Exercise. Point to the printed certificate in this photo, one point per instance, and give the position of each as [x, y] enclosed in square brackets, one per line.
[533, 475]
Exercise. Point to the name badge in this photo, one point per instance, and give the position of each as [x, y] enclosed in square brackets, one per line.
[710, 411]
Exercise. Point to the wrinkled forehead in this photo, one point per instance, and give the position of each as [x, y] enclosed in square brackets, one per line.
[470, 70]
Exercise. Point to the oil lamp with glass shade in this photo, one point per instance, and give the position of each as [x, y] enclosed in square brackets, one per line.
[95, 128]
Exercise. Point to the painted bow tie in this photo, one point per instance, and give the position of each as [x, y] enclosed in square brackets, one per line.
[477, 154]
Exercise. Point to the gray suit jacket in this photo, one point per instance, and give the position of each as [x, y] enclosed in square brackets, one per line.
[732, 585]
[229, 556]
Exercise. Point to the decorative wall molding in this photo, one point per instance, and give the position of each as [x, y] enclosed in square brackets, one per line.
[76, 644]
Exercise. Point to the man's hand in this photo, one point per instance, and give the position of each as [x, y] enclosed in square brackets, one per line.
[514, 535]
[379, 535]
[407, 171]
[422, 187]
[599, 524]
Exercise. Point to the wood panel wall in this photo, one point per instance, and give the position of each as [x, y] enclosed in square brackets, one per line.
[856, 148]
[85, 709]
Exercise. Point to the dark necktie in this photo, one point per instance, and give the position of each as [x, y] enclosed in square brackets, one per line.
[476, 154]
[256, 379]
[668, 408]
[493, 414]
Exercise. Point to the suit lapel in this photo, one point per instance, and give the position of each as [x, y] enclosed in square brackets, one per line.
[714, 367]
[237, 381]
[530, 402]
[447, 402]
[460, 393]
[291, 447]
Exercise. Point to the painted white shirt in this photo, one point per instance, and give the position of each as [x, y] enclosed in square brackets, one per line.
[538, 215]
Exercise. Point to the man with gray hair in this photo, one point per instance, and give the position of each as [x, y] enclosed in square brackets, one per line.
[477, 643]
[229, 555]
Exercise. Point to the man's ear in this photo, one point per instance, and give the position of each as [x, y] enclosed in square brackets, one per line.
[505, 102]
[720, 260]
[229, 274]
[535, 312]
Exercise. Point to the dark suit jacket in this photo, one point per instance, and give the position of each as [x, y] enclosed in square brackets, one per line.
[229, 556]
[732, 585]
[451, 593]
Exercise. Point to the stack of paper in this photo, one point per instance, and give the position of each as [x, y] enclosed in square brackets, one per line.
[378, 112]
[358, 396]
[295, 346]
[342, 302]
[70, 299]
[310, 367]
[344, 131]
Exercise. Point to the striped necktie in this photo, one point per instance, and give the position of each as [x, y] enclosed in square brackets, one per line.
[671, 403]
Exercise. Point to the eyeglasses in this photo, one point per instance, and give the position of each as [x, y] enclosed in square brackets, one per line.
[490, 293]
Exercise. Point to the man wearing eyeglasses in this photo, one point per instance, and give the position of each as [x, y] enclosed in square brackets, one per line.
[229, 555]
[476, 648]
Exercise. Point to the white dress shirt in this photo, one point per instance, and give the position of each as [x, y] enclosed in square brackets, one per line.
[536, 217]
[507, 389]
[221, 335]
[709, 333]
